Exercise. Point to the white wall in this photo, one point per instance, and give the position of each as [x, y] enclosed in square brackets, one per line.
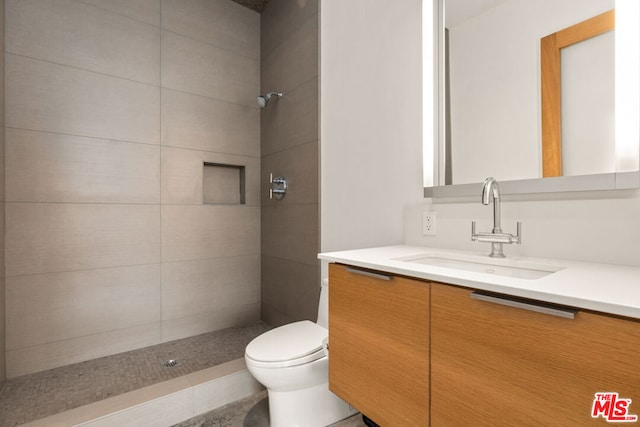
[591, 226]
[371, 150]
[371, 120]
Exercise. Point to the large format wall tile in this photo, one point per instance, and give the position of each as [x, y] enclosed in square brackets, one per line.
[203, 69]
[3, 327]
[2, 74]
[283, 18]
[2, 25]
[3, 168]
[294, 62]
[291, 232]
[182, 175]
[289, 140]
[292, 120]
[201, 286]
[290, 291]
[52, 237]
[222, 23]
[60, 353]
[97, 204]
[147, 11]
[202, 123]
[48, 167]
[197, 232]
[103, 42]
[299, 165]
[200, 323]
[2, 228]
[44, 308]
[45, 96]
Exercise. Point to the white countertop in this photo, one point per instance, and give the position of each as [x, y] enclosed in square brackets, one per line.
[607, 288]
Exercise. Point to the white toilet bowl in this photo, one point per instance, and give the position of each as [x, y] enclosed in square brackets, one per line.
[292, 364]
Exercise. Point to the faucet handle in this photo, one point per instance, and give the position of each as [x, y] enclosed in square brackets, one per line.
[492, 237]
[518, 237]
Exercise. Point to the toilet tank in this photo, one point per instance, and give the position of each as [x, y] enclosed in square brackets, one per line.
[323, 304]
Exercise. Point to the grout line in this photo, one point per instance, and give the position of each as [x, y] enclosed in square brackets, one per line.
[57, 202]
[86, 269]
[71, 339]
[291, 147]
[125, 141]
[221, 153]
[99, 138]
[74, 67]
[225, 49]
[119, 14]
[249, 105]
[289, 36]
[161, 284]
[289, 260]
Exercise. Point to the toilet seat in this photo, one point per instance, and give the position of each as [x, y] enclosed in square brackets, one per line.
[289, 345]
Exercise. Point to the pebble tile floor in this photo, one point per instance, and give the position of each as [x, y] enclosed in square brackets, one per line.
[30, 397]
[252, 411]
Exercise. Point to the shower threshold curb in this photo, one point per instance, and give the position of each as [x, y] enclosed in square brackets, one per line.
[165, 403]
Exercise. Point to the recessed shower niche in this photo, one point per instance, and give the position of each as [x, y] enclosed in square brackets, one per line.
[223, 184]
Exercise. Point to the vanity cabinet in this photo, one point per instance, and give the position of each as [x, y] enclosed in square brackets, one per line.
[495, 365]
[379, 345]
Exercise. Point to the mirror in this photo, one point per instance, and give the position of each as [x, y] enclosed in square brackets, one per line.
[577, 97]
[489, 116]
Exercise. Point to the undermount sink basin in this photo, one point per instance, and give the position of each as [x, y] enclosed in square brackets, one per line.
[499, 267]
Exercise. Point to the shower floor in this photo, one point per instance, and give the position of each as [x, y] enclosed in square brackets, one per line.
[30, 397]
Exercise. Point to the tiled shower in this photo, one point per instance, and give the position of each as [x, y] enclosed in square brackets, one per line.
[113, 110]
[290, 147]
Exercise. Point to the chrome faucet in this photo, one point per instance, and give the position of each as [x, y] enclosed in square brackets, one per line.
[491, 190]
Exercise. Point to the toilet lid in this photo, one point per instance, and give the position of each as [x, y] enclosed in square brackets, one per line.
[288, 342]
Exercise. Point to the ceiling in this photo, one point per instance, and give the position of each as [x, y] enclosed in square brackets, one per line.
[257, 5]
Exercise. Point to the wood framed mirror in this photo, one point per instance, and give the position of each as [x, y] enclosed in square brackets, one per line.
[551, 84]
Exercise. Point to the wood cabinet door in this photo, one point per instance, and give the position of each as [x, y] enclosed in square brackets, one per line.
[493, 365]
[379, 346]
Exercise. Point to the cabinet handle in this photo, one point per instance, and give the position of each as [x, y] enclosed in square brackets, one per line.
[369, 274]
[515, 302]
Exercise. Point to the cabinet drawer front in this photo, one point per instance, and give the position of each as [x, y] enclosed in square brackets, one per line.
[502, 366]
[379, 346]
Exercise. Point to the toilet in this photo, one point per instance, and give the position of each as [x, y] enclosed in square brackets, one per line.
[291, 361]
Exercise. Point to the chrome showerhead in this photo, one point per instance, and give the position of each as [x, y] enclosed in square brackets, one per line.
[263, 100]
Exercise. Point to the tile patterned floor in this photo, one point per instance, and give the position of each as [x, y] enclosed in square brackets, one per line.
[34, 396]
[250, 412]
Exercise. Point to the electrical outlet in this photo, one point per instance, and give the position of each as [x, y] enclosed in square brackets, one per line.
[429, 223]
